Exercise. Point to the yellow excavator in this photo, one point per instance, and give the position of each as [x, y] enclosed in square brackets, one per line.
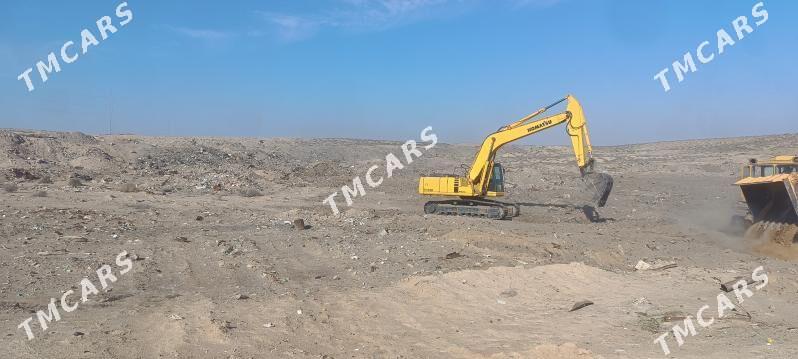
[485, 178]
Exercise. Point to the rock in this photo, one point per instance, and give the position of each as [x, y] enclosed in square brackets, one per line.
[383, 233]
[78, 334]
[182, 239]
[241, 297]
[269, 325]
[199, 218]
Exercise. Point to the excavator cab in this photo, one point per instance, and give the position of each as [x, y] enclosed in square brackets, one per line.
[496, 183]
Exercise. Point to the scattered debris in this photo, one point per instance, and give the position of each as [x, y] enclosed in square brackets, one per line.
[182, 239]
[729, 286]
[249, 192]
[580, 305]
[453, 255]
[74, 182]
[128, 188]
[508, 293]
[641, 266]
[24, 174]
[78, 239]
[299, 224]
[667, 266]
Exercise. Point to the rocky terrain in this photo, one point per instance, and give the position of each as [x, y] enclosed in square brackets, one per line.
[218, 270]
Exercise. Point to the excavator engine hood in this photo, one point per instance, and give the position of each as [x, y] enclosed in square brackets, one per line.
[772, 198]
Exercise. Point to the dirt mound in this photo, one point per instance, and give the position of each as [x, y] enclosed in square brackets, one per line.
[782, 233]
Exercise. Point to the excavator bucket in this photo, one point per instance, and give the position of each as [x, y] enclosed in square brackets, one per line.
[773, 203]
[600, 184]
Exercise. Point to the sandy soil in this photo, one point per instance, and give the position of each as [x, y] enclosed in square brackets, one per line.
[218, 273]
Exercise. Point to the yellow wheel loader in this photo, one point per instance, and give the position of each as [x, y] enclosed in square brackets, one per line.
[485, 178]
[770, 190]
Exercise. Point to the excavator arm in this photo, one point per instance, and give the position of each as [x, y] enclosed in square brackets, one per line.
[479, 173]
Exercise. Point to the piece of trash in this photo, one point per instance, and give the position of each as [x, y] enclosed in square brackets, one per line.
[641, 265]
[580, 305]
[299, 224]
[508, 293]
[667, 266]
[729, 286]
[453, 255]
[175, 317]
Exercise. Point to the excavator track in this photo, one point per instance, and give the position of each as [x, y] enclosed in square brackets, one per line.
[473, 208]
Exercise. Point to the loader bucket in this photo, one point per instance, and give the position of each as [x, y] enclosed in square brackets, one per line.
[772, 198]
[600, 184]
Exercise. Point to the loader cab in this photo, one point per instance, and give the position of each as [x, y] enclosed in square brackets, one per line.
[496, 183]
[776, 166]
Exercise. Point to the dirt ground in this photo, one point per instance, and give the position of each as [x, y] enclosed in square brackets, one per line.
[218, 270]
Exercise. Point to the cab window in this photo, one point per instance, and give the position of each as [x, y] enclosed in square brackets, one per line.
[786, 169]
[496, 183]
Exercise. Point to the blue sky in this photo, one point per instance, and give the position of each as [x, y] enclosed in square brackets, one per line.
[385, 69]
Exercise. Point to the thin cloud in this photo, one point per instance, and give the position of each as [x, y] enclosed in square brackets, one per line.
[373, 15]
[353, 14]
[203, 34]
